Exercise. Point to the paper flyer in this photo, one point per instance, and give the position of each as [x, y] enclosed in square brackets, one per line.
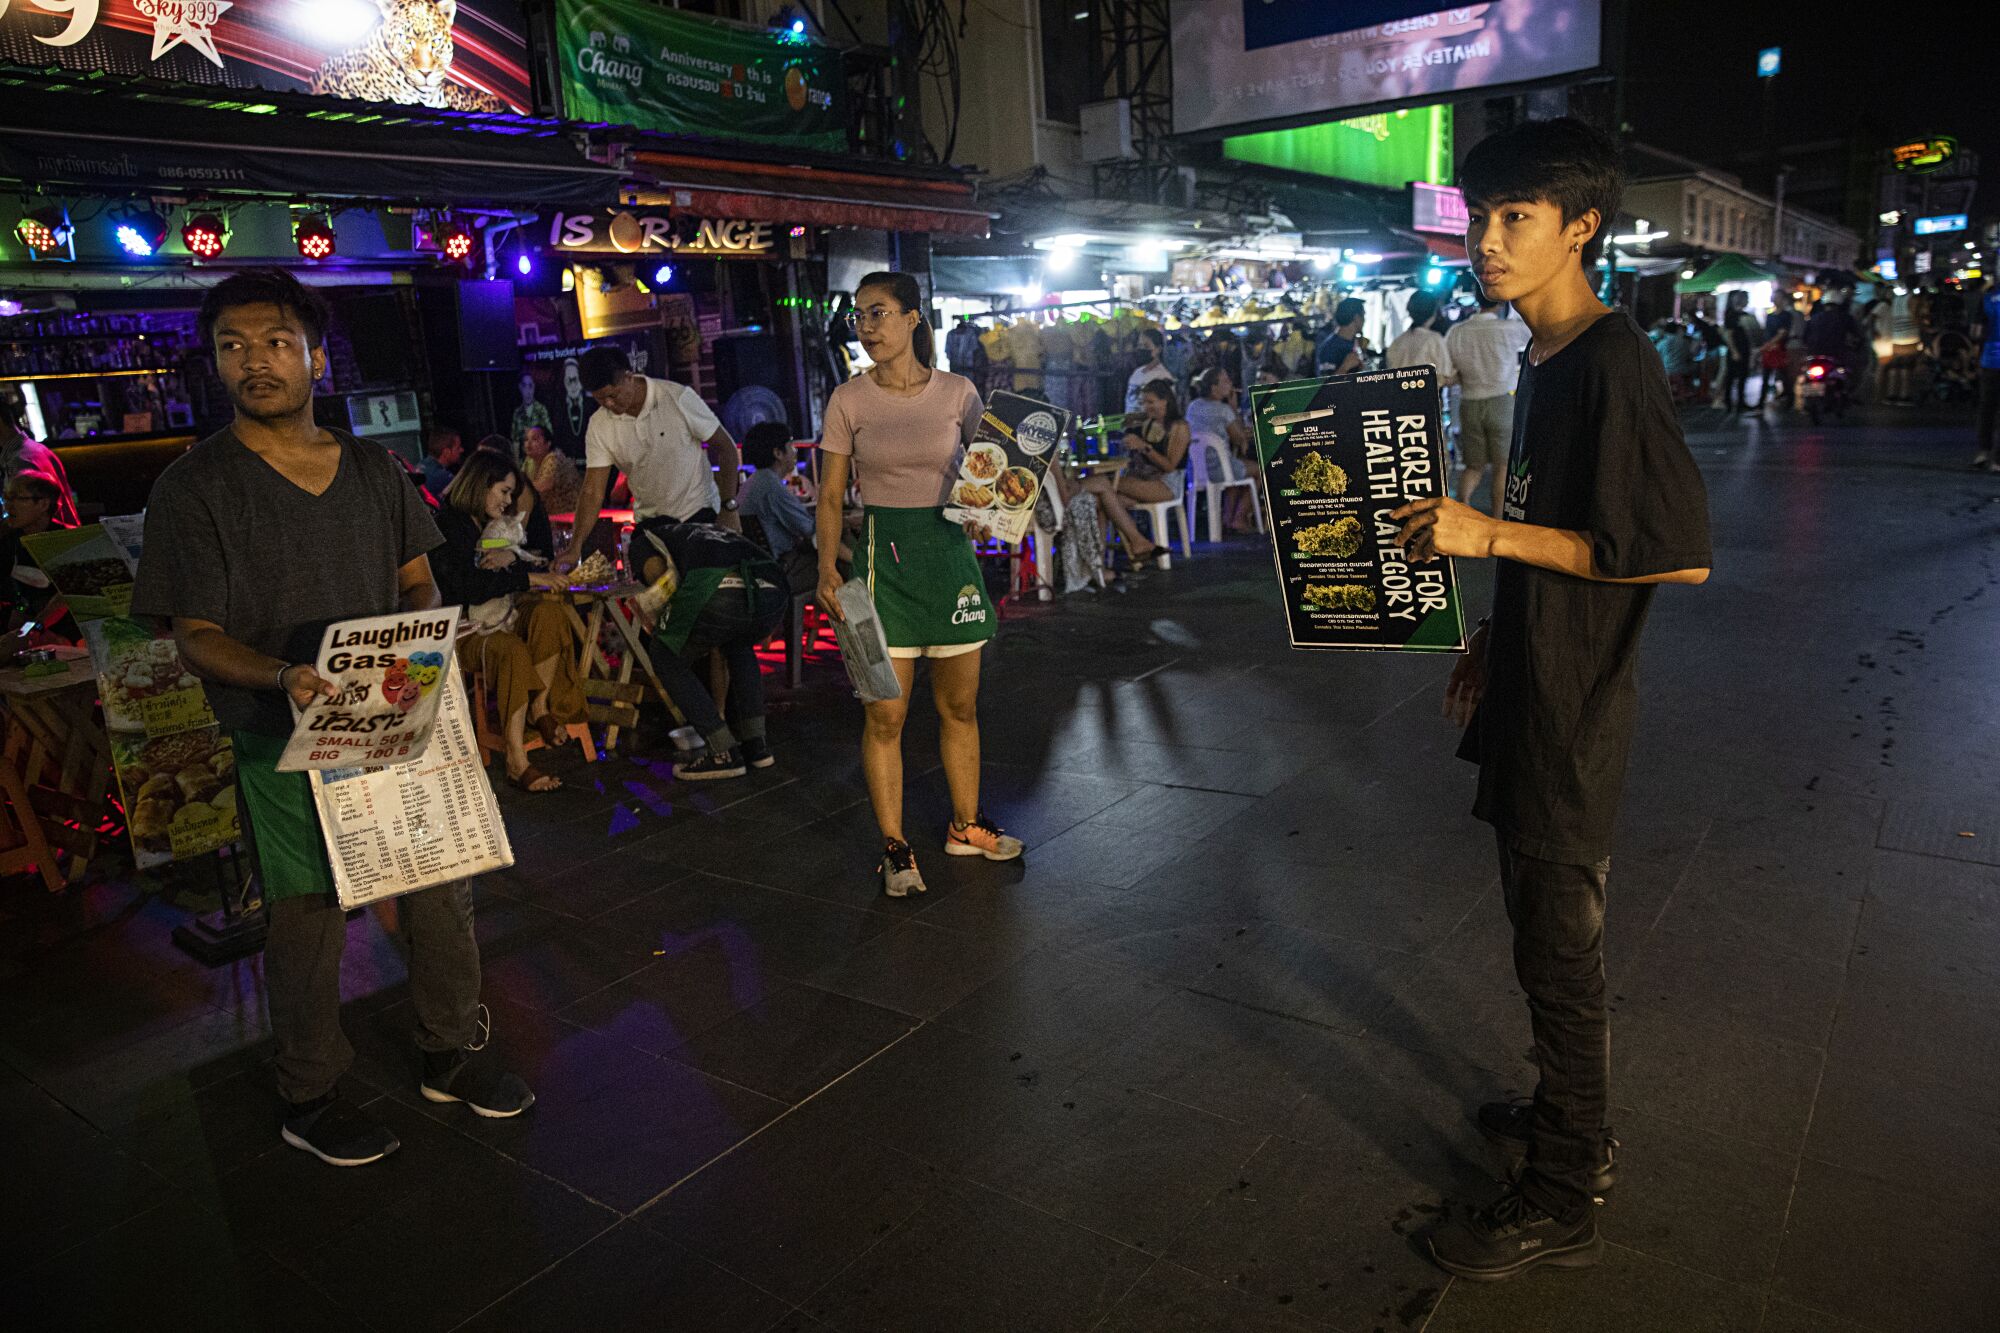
[1000, 473]
[428, 821]
[388, 669]
[1339, 454]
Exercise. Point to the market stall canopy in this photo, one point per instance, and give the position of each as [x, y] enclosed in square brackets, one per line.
[108, 135]
[1728, 271]
[808, 194]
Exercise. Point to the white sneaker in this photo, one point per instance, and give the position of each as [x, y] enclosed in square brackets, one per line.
[900, 876]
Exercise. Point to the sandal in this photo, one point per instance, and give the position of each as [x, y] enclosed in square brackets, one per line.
[551, 731]
[526, 779]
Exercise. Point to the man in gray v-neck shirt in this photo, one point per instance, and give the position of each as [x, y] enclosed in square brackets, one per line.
[256, 540]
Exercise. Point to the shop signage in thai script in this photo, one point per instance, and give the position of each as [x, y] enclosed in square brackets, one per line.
[1438, 208]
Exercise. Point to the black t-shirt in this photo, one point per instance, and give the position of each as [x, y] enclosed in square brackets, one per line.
[229, 539]
[1597, 449]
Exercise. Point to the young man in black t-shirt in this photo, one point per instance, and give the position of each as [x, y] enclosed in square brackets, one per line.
[1602, 501]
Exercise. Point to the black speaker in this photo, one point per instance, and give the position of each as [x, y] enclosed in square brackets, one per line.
[487, 334]
[750, 358]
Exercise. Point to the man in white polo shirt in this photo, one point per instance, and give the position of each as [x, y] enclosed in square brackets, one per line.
[1486, 352]
[654, 432]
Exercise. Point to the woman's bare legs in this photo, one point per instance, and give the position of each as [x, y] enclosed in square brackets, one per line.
[882, 751]
[955, 688]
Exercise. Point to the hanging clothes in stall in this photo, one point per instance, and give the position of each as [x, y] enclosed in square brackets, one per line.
[1024, 349]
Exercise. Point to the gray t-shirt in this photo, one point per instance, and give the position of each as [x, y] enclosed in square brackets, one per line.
[229, 539]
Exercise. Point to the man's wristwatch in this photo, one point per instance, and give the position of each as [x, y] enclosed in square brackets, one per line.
[730, 503]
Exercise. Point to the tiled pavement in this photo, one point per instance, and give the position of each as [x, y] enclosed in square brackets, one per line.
[1201, 1062]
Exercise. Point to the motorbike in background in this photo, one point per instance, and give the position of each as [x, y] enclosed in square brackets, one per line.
[1823, 388]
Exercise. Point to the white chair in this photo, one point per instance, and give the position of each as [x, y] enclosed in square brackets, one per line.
[1215, 470]
[1162, 513]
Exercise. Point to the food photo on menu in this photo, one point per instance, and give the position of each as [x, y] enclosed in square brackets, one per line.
[1000, 474]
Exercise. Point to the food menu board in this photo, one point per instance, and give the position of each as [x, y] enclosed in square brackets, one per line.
[175, 768]
[429, 821]
[88, 568]
[1339, 454]
[1000, 473]
[387, 670]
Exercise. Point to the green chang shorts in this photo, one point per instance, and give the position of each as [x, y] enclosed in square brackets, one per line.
[920, 569]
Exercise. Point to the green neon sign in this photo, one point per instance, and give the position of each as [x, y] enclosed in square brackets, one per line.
[1389, 149]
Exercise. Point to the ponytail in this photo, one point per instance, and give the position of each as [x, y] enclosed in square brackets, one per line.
[909, 296]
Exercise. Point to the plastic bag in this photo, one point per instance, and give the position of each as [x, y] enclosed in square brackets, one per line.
[864, 648]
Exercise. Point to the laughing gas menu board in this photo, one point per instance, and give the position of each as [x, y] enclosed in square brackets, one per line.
[1339, 454]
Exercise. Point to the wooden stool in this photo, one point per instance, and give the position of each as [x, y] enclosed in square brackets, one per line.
[22, 842]
[491, 737]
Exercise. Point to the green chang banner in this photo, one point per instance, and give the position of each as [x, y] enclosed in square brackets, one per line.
[630, 62]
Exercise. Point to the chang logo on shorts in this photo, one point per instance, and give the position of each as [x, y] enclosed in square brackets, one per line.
[971, 607]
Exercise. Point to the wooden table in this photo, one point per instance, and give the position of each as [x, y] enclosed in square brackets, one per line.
[57, 749]
[613, 600]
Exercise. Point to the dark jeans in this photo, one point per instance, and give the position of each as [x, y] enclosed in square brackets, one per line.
[733, 624]
[302, 981]
[1558, 916]
[1739, 386]
[1989, 409]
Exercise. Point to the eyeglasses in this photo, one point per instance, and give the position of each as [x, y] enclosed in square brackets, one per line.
[869, 318]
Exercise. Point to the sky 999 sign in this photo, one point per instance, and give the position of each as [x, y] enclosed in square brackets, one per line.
[461, 54]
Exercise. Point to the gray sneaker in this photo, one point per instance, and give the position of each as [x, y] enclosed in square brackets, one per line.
[900, 876]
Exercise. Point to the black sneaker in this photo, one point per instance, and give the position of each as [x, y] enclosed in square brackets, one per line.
[337, 1132]
[1508, 1126]
[454, 1076]
[1509, 1236]
[757, 752]
[711, 767]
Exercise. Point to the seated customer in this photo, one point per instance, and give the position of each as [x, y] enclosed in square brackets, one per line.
[1212, 411]
[552, 471]
[33, 499]
[787, 522]
[19, 453]
[729, 597]
[524, 648]
[1156, 445]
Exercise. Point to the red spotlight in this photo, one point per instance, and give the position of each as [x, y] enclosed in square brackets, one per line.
[204, 235]
[456, 242]
[314, 236]
[44, 229]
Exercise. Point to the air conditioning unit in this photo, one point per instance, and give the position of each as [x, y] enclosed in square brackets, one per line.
[1107, 131]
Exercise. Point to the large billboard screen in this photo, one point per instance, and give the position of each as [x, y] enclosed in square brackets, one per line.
[468, 55]
[1239, 62]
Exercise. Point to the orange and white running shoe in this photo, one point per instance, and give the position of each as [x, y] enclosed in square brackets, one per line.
[982, 837]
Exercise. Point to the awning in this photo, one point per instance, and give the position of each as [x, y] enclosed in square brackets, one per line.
[1728, 271]
[814, 196]
[147, 142]
[1446, 249]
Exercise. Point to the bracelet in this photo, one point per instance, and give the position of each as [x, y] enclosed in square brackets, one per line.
[281, 675]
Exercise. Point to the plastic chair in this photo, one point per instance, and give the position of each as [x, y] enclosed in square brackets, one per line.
[1163, 512]
[1214, 471]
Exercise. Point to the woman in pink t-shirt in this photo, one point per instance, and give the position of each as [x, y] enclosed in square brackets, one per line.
[899, 428]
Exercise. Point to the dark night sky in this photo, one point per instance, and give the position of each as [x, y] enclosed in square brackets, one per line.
[1892, 71]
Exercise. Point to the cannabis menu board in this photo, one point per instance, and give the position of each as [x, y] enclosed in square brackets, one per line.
[1339, 454]
[1000, 473]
